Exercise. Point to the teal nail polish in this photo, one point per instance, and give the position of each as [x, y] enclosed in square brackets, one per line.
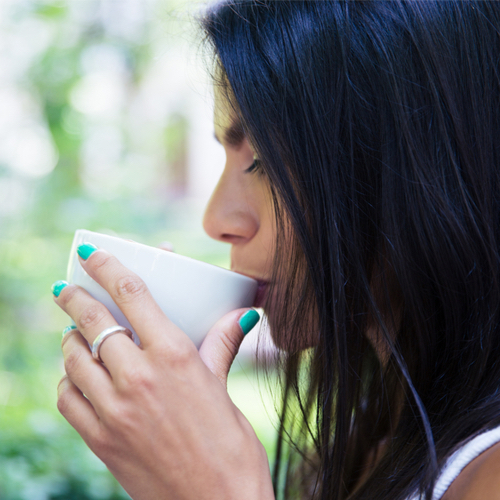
[58, 286]
[68, 329]
[249, 320]
[85, 250]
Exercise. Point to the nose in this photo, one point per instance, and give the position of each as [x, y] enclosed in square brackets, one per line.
[230, 216]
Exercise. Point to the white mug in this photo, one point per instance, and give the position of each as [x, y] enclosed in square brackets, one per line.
[193, 294]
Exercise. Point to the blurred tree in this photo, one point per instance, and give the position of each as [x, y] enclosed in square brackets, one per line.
[95, 132]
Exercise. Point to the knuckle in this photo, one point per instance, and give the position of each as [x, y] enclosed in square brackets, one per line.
[113, 417]
[66, 297]
[63, 401]
[180, 356]
[100, 444]
[231, 343]
[121, 420]
[92, 316]
[136, 379]
[71, 362]
[100, 259]
[130, 288]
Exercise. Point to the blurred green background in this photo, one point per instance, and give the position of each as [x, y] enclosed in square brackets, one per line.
[105, 124]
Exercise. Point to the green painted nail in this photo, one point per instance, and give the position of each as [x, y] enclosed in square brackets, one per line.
[249, 320]
[68, 329]
[58, 286]
[85, 250]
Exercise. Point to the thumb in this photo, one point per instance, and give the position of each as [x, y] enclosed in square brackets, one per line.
[223, 341]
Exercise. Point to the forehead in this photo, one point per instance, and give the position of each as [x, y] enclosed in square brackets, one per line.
[228, 127]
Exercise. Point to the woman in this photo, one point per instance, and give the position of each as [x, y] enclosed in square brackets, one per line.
[361, 185]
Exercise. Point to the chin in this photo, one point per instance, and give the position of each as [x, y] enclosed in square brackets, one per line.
[291, 315]
[294, 334]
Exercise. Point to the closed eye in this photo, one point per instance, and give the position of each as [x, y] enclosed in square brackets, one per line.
[254, 167]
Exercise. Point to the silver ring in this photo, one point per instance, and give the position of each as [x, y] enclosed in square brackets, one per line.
[96, 346]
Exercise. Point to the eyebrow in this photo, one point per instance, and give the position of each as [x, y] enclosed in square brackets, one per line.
[234, 135]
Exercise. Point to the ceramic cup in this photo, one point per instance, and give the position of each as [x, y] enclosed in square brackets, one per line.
[193, 294]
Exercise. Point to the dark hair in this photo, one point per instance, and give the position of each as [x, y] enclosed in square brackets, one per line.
[378, 126]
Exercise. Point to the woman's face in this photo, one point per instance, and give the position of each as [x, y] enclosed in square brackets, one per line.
[240, 211]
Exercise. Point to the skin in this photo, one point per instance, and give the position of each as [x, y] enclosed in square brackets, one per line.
[240, 210]
[480, 480]
[159, 416]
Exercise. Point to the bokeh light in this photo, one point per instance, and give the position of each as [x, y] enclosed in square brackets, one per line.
[105, 124]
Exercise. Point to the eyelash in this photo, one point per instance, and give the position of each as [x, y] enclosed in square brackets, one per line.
[254, 167]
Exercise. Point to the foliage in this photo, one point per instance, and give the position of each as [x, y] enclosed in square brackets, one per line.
[73, 181]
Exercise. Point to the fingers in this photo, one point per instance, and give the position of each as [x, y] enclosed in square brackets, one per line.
[132, 296]
[90, 377]
[77, 410]
[91, 318]
[167, 246]
[223, 341]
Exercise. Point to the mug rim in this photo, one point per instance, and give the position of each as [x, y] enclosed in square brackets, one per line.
[173, 255]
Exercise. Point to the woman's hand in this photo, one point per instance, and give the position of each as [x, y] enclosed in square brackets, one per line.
[158, 415]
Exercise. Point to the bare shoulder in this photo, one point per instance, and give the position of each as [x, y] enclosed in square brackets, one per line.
[479, 480]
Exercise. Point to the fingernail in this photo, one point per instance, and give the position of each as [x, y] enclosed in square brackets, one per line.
[166, 245]
[249, 320]
[58, 286]
[68, 329]
[85, 250]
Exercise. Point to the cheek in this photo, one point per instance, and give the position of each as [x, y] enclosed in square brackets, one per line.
[289, 305]
[266, 244]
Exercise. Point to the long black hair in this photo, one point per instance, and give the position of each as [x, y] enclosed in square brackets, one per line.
[378, 126]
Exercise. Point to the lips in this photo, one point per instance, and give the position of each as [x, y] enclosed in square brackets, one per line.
[262, 285]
